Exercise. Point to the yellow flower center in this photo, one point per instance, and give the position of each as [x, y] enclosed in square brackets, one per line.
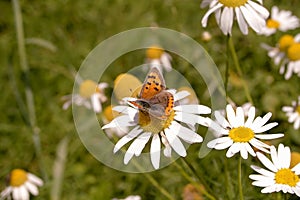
[18, 177]
[293, 52]
[154, 52]
[298, 110]
[287, 177]
[285, 42]
[154, 124]
[271, 23]
[241, 134]
[233, 3]
[295, 159]
[88, 88]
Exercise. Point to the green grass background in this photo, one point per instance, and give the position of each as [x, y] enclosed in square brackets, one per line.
[72, 29]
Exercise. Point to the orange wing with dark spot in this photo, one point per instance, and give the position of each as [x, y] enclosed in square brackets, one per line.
[153, 84]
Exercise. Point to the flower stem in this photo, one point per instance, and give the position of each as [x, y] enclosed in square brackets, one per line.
[240, 178]
[191, 180]
[238, 68]
[30, 115]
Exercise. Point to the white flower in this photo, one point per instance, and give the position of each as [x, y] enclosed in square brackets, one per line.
[293, 113]
[240, 134]
[287, 54]
[278, 176]
[158, 58]
[21, 185]
[90, 95]
[169, 131]
[282, 20]
[131, 197]
[247, 13]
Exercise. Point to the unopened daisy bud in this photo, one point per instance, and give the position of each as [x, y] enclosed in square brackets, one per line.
[206, 36]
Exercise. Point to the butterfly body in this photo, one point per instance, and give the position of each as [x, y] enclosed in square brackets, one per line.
[154, 99]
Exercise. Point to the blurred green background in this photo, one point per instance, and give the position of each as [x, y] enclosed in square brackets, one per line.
[60, 34]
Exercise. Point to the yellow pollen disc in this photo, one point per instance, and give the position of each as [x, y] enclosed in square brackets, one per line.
[285, 42]
[87, 88]
[298, 110]
[241, 134]
[287, 177]
[271, 23]
[295, 159]
[233, 3]
[154, 52]
[18, 177]
[293, 52]
[154, 124]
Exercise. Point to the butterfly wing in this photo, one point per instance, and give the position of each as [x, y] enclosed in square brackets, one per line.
[153, 84]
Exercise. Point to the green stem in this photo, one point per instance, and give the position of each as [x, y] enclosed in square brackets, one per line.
[191, 180]
[227, 69]
[240, 178]
[28, 92]
[238, 68]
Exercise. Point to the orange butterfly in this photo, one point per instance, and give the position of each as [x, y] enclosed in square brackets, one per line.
[154, 99]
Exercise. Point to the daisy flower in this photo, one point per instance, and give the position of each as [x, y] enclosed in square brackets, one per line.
[247, 13]
[91, 95]
[157, 57]
[287, 54]
[293, 113]
[168, 131]
[278, 176]
[21, 185]
[131, 197]
[239, 134]
[282, 20]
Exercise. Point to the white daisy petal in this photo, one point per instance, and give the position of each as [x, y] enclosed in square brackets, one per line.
[240, 117]
[265, 127]
[180, 95]
[155, 151]
[193, 109]
[221, 120]
[266, 162]
[263, 171]
[137, 146]
[205, 18]
[231, 115]
[34, 179]
[175, 142]
[185, 133]
[120, 121]
[127, 138]
[32, 188]
[269, 136]
[296, 169]
[241, 21]
[264, 183]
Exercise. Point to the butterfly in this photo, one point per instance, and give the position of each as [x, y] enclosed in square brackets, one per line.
[154, 99]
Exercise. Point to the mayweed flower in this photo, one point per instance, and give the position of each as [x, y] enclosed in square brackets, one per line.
[282, 20]
[247, 13]
[21, 185]
[131, 197]
[293, 113]
[156, 114]
[287, 54]
[239, 135]
[108, 116]
[278, 176]
[158, 58]
[91, 95]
